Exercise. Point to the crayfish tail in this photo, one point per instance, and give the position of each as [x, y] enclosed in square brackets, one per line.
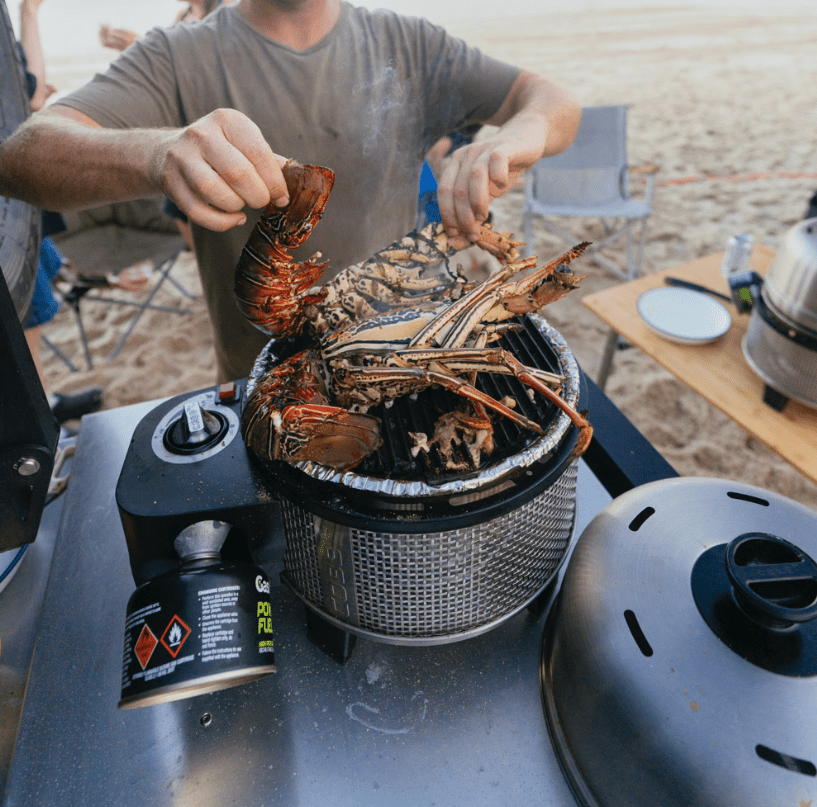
[309, 189]
[269, 286]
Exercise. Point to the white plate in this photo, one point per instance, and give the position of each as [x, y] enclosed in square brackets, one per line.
[684, 316]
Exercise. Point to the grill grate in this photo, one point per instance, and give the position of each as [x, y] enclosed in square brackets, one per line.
[405, 414]
[457, 557]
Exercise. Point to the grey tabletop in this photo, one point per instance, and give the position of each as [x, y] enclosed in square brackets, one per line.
[455, 724]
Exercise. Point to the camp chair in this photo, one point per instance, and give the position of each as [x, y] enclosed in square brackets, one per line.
[427, 208]
[77, 288]
[591, 180]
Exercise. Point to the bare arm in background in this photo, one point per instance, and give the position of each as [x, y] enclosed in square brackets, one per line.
[116, 38]
[537, 119]
[60, 159]
[32, 46]
[122, 38]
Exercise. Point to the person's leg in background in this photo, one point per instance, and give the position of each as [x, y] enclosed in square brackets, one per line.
[43, 308]
[811, 211]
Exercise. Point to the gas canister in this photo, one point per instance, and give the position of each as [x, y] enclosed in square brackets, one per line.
[202, 627]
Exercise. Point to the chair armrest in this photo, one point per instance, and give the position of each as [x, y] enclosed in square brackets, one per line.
[529, 179]
[648, 172]
[644, 169]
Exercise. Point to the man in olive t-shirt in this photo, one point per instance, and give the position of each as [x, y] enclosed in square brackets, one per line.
[207, 113]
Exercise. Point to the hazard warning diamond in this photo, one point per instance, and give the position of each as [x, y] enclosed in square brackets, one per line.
[145, 645]
[175, 636]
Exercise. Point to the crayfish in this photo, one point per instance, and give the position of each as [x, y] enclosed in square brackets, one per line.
[382, 329]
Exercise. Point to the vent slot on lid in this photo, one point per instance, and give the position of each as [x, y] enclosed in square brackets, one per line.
[785, 761]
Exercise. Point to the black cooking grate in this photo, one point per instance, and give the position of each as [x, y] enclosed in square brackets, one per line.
[406, 415]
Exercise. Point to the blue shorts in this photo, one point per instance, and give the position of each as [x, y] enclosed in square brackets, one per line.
[427, 208]
[43, 304]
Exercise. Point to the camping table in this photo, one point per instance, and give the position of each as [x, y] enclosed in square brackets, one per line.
[718, 372]
[459, 724]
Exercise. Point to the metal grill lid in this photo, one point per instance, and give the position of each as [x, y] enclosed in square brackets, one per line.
[682, 649]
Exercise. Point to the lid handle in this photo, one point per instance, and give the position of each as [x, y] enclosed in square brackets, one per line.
[775, 583]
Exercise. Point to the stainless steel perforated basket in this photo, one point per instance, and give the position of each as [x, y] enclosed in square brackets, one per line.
[435, 587]
[408, 557]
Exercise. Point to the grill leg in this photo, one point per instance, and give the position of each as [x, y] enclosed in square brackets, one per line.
[536, 607]
[335, 642]
[777, 400]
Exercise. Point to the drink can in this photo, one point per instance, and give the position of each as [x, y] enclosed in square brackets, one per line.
[737, 254]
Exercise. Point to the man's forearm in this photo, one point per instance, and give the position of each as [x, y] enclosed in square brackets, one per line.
[212, 168]
[57, 163]
[536, 108]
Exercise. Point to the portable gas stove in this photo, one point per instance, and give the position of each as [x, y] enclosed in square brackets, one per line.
[780, 344]
[395, 551]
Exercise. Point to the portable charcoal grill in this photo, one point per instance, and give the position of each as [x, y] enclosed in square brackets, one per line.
[404, 553]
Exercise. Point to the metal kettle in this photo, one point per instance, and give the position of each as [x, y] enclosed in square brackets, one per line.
[791, 281]
[780, 344]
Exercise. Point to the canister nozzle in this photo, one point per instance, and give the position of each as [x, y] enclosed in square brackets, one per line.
[201, 541]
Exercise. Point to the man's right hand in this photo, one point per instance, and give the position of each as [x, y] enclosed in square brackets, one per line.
[61, 159]
[216, 166]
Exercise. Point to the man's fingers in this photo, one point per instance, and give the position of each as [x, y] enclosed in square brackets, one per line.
[474, 177]
[499, 171]
[203, 214]
[264, 180]
[453, 195]
[234, 148]
[233, 181]
[219, 165]
[211, 187]
[466, 188]
[467, 197]
[481, 194]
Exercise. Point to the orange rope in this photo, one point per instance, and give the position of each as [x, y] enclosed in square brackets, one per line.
[738, 177]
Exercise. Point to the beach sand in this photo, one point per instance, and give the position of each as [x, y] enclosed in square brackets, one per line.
[710, 93]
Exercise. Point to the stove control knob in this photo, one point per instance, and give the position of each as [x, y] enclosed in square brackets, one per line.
[196, 430]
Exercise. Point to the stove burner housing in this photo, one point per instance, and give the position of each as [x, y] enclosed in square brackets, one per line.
[783, 353]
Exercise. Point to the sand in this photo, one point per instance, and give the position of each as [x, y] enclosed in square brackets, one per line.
[719, 94]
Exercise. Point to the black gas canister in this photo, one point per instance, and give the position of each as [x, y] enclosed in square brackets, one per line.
[202, 627]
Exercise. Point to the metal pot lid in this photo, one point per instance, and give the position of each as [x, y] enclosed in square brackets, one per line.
[791, 281]
[670, 677]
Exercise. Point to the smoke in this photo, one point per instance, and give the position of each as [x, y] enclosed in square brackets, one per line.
[379, 98]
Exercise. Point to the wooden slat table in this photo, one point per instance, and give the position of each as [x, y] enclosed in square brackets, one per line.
[718, 372]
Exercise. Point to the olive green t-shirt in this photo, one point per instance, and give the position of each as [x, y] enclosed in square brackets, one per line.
[366, 101]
